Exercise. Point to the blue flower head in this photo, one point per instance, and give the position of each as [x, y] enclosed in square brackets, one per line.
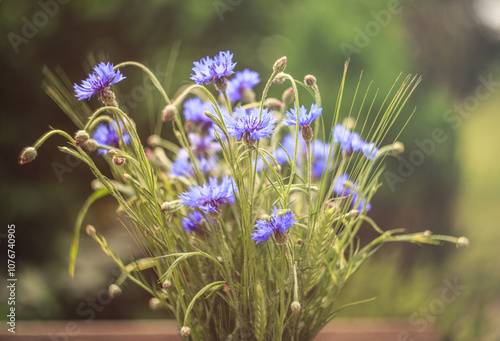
[208, 69]
[321, 153]
[210, 197]
[278, 223]
[183, 166]
[286, 151]
[351, 142]
[194, 222]
[194, 111]
[351, 192]
[203, 146]
[106, 135]
[248, 126]
[243, 81]
[98, 82]
[369, 150]
[305, 118]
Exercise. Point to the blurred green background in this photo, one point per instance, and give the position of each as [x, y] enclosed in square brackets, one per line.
[453, 189]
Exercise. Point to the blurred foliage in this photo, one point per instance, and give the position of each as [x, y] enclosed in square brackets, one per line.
[439, 39]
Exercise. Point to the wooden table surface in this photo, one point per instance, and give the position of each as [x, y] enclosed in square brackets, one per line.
[161, 330]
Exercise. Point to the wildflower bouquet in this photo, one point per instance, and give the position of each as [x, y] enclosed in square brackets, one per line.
[251, 222]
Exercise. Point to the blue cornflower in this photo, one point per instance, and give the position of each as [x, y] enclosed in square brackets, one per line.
[321, 153]
[210, 197]
[194, 111]
[349, 141]
[304, 117]
[277, 224]
[369, 150]
[341, 189]
[194, 222]
[202, 146]
[285, 152]
[208, 69]
[98, 82]
[248, 126]
[242, 82]
[106, 135]
[183, 166]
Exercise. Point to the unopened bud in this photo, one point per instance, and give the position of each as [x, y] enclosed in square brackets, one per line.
[247, 96]
[166, 284]
[166, 206]
[307, 132]
[295, 306]
[114, 291]
[288, 96]
[154, 140]
[127, 176]
[273, 104]
[118, 161]
[310, 80]
[300, 242]
[398, 148]
[112, 152]
[280, 65]
[220, 84]
[185, 332]
[349, 123]
[154, 304]
[28, 154]
[169, 112]
[81, 137]
[462, 243]
[427, 233]
[90, 230]
[279, 79]
[90, 145]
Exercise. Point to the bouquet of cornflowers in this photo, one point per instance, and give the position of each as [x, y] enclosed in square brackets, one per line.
[251, 222]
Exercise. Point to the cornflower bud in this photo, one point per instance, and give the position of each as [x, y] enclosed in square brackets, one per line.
[310, 80]
[28, 154]
[349, 123]
[300, 242]
[119, 161]
[81, 137]
[279, 79]
[398, 148]
[280, 64]
[90, 230]
[90, 145]
[295, 306]
[288, 96]
[273, 104]
[462, 243]
[185, 332]
[114, 291]
[112, 152]
[154, 303]
[166, 284]
[169, 112]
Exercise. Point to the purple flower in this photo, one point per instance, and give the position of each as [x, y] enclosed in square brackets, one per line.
[305, 118]
[248, 125]
[183, 166]
[194, 111]
[203, 146]
[194, 222]
[242, 81]
[320, 154]
[98, 82]
[369, 150]
[285, 152]
[279, 222]
[106, 135]
[351, 191]
[208, 69]
[349, 141]
[210, 197]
